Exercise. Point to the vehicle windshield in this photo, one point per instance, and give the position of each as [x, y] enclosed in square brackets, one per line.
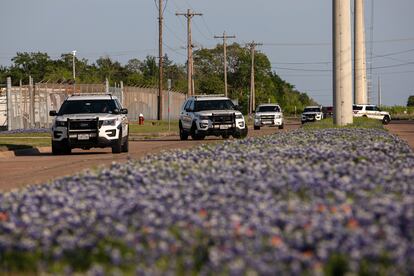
[87, 106]
[213, 105]
[357, 107]
[312, 109]
[271, 108]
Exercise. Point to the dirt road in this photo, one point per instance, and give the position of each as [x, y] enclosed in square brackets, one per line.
[19, 171]
[404, 129]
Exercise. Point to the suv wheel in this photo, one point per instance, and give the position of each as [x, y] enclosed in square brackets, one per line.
[183, 133]
[194, 135]
[282, 126]
[117, 146]
[59, 149]
[386, 120]
[125, 146]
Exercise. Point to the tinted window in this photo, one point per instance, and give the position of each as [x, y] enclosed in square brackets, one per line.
[85, 106]
[356, 107]
[371, 108]
[214, 105]
[268, 109]
[186, 105]
[314, 109]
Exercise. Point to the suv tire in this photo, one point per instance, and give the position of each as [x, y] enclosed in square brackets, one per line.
[59, 149]
[56, 149]
[194, 135]
[183, 133]
[117, 146]
[125, 146]
[386, 120]
[282, 126]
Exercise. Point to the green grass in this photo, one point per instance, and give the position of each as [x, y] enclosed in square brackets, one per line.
[153, 127]
[358, 123]
[14, 143]
[31, 140]
[23, 135]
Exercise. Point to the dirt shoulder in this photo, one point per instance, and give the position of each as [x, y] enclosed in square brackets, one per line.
[403, 129]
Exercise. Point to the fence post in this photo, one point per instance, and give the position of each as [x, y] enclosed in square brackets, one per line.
[32, 102]
[8, 103]
[21, 103]
[106, 86]
[122, 93]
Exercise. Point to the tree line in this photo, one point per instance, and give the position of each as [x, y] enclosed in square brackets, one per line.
[208, 67]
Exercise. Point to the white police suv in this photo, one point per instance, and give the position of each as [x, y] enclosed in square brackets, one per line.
[268, 115]
[203, 116]
[311, 114]
[371, 111]
[90, 121]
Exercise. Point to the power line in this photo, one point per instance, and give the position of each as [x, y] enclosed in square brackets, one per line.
[299, 44]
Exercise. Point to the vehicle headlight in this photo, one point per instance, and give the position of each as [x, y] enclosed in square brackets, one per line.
[278, 116]
[109, 122]
[61, 123]
[203, 118]
[239, 116]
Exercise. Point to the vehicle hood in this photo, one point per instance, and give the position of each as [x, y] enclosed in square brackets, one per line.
[101, 116]
[217, 112]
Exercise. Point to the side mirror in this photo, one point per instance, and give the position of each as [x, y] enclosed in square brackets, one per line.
[52, 113]
[124, 111]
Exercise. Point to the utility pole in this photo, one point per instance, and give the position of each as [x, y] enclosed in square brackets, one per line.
[74, 65]
[342, 62]
[225, 37]
[379, 92]
[252, 102]
[189, 15]
[360, 62]
[161, 63]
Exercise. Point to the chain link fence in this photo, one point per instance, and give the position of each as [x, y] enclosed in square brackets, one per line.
[28, 106]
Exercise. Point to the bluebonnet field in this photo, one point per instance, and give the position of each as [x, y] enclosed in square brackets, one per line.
[26, 131]
[314, 201]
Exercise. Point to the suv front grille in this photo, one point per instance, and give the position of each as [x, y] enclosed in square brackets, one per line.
[83, 125]
[267, 117]
[223, 118]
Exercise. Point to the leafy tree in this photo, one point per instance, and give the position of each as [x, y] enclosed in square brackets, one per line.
[410, 101]
[209, 75]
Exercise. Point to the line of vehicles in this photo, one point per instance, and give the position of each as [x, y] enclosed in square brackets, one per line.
[317, 113]
[98, 120]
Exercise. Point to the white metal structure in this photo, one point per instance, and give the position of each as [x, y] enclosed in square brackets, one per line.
[342, 62]
[360, 62]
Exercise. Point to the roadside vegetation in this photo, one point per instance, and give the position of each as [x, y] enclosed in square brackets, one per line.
[306, 202]
[208, 74]
[400, 112]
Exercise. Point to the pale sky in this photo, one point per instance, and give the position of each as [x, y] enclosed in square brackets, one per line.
[296, 35]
